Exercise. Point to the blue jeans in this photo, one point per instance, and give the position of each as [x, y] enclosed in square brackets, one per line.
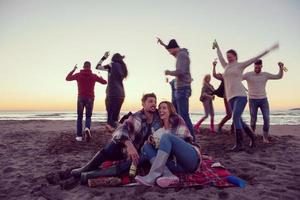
[238, 105]
[182, 96]
[88, 104]
[263, 104]
[187, 158]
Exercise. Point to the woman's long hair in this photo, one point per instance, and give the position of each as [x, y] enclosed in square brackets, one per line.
[173, 118]
[119, 59]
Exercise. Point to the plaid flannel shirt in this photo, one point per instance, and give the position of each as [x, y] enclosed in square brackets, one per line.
[136, 129]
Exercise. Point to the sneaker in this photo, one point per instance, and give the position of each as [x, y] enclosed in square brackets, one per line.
[87, 134]
[167, 181]
[79, 139]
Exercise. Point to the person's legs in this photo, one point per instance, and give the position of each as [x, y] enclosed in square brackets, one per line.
[238, 105]
[89, 112]
[111, 151]
[108, 109]
[266, 117]
[227, 116]
[182, 101]
[212, 115]
[253, 107]
[80, 108]
[115, 110]
[206, 112]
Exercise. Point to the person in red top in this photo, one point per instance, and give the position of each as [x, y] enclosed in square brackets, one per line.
[86, 83]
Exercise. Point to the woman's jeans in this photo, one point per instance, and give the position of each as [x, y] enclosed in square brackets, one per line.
[187, 158]
[113, 108]
[182, 96]
[88, 104]
[238, 105]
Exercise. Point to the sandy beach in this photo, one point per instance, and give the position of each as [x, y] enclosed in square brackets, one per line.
[29, 150]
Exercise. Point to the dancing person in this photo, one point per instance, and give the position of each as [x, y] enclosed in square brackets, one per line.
[257, 81]
[207, 98]
[220, 92]
[129, 136]
[115, 93]
[235, 91]
[183, 78]
[86, 82]
[172, 140]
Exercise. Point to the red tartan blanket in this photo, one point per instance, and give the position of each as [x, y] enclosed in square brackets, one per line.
[204, 175]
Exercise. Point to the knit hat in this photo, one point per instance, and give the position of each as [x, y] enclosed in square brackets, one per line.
[172, 44]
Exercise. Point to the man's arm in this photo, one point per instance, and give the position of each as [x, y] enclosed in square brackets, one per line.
[215, 75]
[182, 61]
[70, 76]
[101, 80]
[276, 76]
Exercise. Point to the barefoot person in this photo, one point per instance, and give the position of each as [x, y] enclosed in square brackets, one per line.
[183, 77]
[115, 94]
[207, 97]
[220, 92]
[130, 136]
[257, 81]
[173, 140]
[86, 82]
[235, 91]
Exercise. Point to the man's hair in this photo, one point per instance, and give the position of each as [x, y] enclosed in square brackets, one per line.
[233, 52]
[87, 64]
[146, 96]
[258, 62]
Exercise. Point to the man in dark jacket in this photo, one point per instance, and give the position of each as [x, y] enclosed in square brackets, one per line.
[86, 83]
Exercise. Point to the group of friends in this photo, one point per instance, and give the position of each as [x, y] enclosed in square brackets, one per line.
[165, 136]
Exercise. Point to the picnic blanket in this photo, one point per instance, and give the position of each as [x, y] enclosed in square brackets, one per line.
[204, 175]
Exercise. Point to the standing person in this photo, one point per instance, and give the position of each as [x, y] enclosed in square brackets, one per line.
[257, 81]
[220, 92]
[207, 97]
[86, 82]
[172, 140]
[183, 78]
[235, 91]
[115, 93]
[129, 136]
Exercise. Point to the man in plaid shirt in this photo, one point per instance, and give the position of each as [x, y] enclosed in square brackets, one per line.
[131, 136]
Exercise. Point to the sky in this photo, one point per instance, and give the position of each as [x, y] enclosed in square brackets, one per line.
[42, 40]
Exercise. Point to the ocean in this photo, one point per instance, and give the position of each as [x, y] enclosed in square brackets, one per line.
[282, 117]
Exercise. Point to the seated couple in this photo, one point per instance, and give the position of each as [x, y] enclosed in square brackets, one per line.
[174, 152]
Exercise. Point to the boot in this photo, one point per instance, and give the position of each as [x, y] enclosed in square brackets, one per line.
[157, 169]
[91, 165]
[115, 170]
[252, 136]
[238, 140]
[167, 179]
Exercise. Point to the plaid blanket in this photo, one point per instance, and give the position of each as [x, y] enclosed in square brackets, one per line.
[204, 175]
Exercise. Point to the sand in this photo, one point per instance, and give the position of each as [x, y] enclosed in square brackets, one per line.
[30, 150]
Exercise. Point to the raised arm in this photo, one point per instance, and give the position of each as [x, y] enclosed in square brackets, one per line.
[220, 55]
[71, 76]
[215, 75]
[279, 75]
[99, 64]
[252, 60]
[159, 41]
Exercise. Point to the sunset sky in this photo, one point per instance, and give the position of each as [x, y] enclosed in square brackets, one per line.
[41, 41]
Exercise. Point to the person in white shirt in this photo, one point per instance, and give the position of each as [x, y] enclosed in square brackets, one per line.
[257, 81]
[235, 91]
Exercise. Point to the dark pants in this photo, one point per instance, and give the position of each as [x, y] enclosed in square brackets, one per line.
[113, 108]
[182, 96]
[88, 104]
[263, 104]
